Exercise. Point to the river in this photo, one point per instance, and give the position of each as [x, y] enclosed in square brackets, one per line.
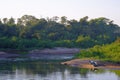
[52, 70]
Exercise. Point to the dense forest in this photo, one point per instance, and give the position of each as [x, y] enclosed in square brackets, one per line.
[29, 32]
[109, 52]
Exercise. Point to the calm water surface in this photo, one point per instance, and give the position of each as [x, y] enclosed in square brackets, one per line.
[44, 70]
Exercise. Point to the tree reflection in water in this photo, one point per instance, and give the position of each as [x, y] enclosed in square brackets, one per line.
[47, 70]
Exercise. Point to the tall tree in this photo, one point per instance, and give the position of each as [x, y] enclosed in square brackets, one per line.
[63, 20]
[5, 20]
[0, 21]
[84, 20]
[11, 21]
[29, 20]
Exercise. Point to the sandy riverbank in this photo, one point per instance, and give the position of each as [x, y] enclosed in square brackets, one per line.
[84, 63]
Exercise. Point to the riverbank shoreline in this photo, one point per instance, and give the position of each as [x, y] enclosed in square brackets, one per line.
[84, 63]
[36, 54]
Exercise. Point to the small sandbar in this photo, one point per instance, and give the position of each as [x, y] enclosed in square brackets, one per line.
[85, 63]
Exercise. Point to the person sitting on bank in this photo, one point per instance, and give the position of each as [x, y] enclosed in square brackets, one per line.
[94, 63]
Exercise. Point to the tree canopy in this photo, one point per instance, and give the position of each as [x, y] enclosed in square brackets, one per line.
[29, 31]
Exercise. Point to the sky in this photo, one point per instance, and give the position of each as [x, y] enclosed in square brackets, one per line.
[73, 9]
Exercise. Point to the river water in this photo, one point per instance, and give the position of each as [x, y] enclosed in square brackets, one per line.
[52, 70]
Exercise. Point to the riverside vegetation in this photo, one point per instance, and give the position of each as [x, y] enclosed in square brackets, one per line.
[29, 32]
[108, 52]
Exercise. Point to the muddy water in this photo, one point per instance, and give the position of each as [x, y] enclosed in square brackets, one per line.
[52, 70]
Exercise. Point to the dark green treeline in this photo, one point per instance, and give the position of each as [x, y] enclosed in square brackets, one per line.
[30, 32]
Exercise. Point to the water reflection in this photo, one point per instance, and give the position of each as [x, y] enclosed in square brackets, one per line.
[44, 70]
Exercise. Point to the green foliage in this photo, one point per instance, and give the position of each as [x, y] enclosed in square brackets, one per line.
[30, 32]
[84, 41]
[109, 52]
